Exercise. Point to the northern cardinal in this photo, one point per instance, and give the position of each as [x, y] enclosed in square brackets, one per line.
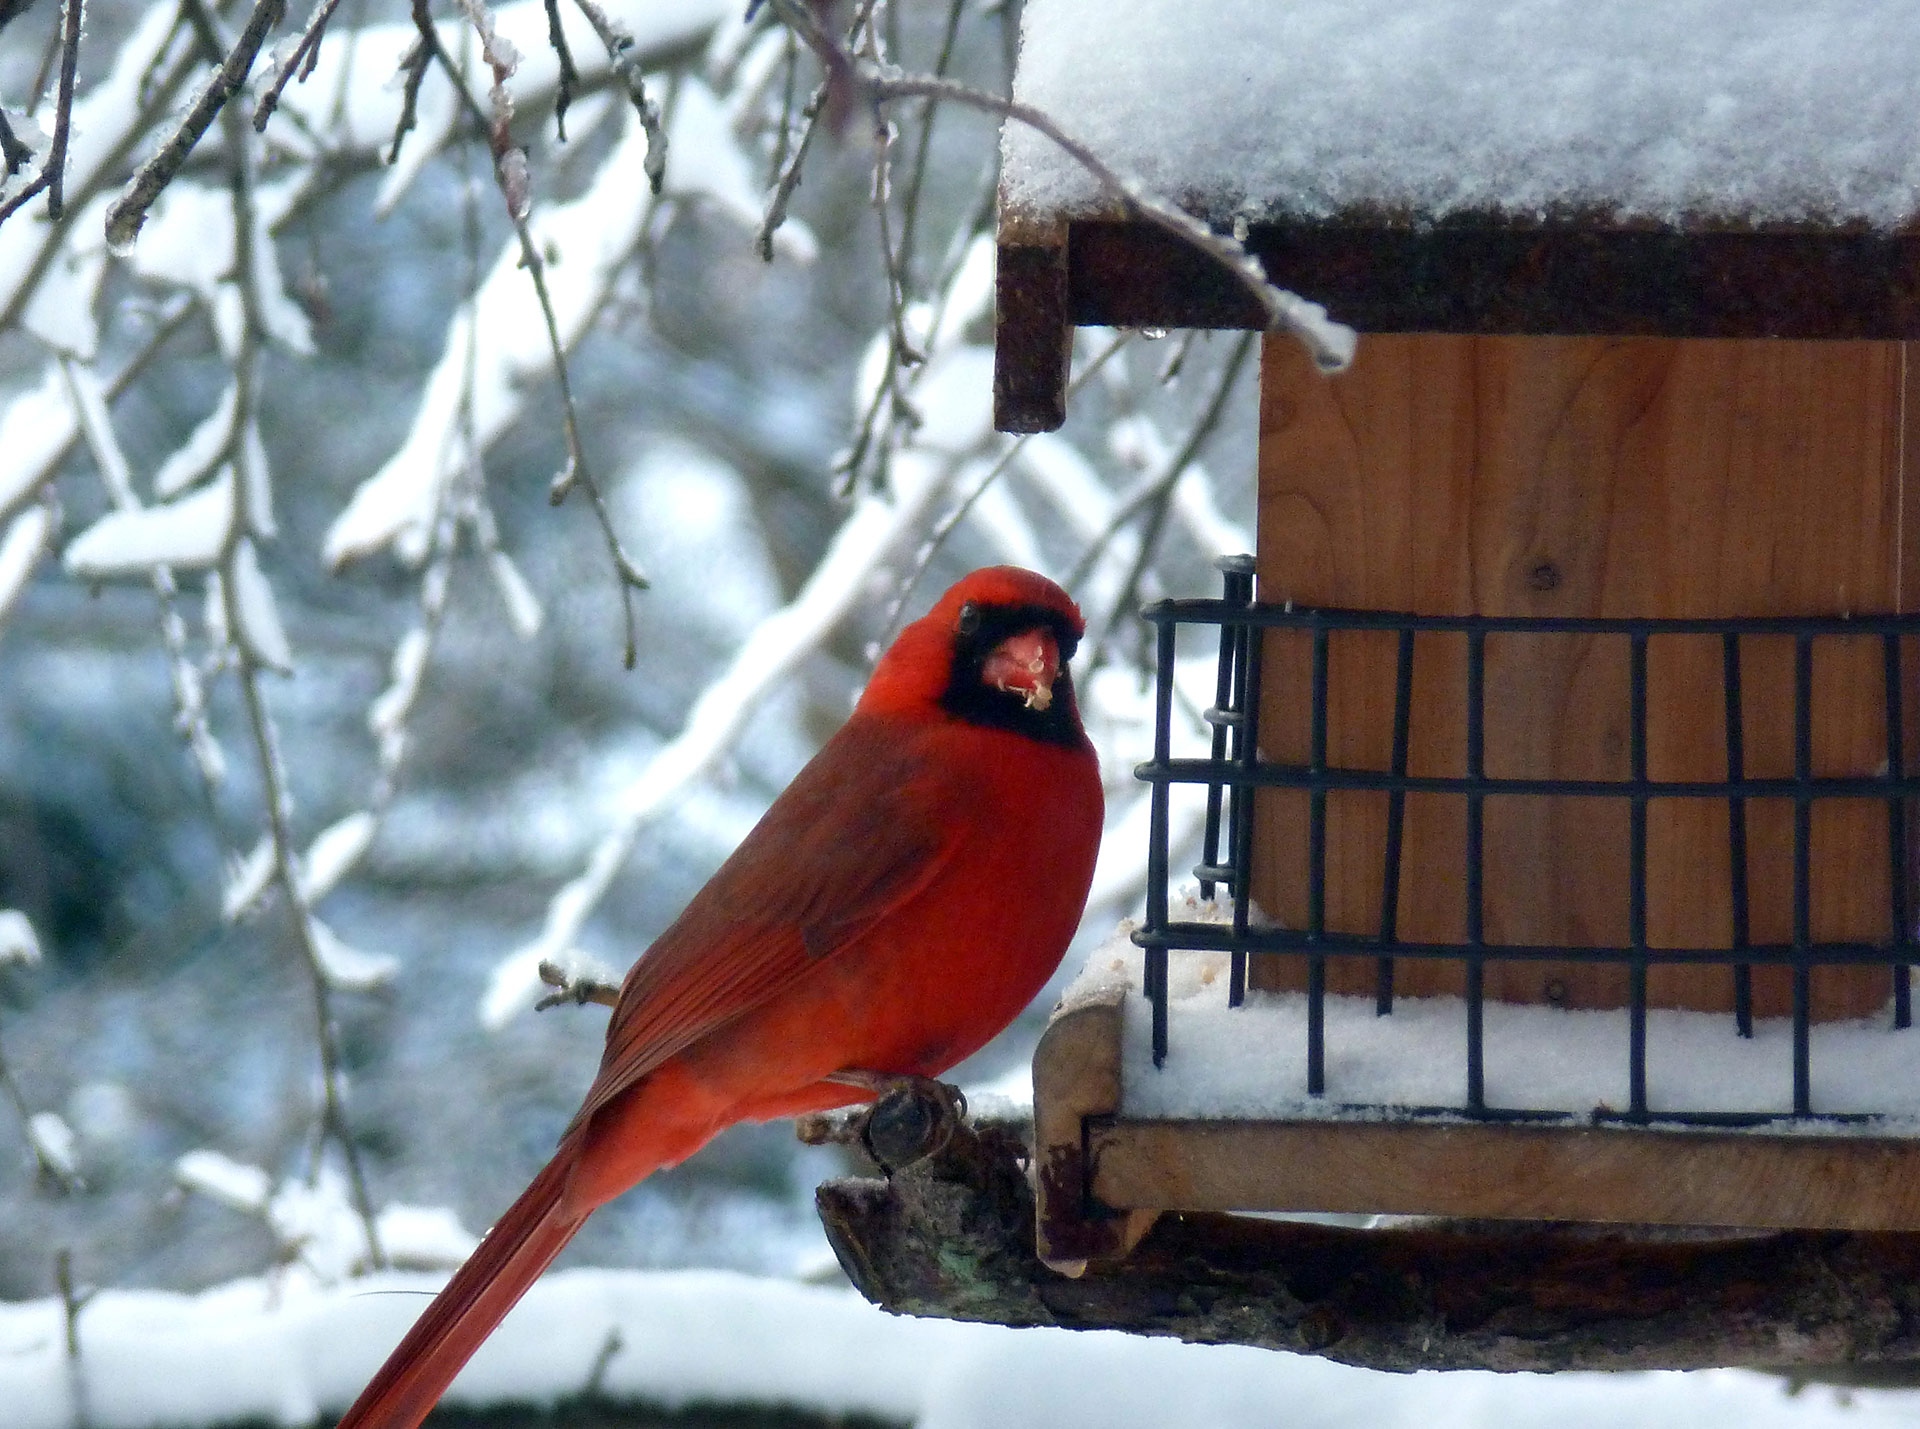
[900, 903]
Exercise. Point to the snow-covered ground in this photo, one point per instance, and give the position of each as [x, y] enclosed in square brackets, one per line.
[286, 1351]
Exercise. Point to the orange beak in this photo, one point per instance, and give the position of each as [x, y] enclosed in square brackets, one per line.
[1027, 663]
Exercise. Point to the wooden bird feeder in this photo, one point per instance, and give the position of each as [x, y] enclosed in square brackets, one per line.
[1564, 719]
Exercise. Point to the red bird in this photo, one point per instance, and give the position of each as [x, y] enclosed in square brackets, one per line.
[897, 906]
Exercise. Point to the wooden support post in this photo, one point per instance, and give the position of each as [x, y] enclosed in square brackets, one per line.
[1076, 1076]
[1033, 331]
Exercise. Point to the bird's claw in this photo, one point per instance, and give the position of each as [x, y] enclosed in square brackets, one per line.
[910, 1118]
[570, 989]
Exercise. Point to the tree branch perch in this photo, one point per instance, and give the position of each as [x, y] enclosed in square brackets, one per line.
[952, 1237]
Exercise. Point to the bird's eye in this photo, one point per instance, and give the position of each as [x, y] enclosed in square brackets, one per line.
[969, 620]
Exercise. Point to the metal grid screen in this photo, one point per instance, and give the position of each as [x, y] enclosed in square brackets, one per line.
[1233, 770]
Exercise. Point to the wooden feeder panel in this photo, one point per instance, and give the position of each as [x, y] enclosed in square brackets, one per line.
[1543, 419]
[1101, 1175]
[1611, 477]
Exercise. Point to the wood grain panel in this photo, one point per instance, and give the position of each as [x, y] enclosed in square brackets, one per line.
[1584, 476]
[1513, 1172]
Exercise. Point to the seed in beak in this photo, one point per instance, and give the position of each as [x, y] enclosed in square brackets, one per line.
[1026, 664]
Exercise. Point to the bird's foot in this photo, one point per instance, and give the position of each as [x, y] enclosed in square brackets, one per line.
[570, 989]
[911, 1117]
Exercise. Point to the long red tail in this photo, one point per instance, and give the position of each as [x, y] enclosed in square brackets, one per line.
[521, 1245]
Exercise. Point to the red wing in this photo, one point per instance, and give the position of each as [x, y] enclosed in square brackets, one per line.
[855, 835]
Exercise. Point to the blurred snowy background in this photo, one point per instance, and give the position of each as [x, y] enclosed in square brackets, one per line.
[312, 700]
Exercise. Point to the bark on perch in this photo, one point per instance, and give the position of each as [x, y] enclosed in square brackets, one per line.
[952, 1237]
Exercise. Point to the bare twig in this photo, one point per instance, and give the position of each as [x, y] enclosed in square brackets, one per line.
[249, 667]
[789, 178]
[847, 464]
[51, 180]
[916, 182]
[569, 76]
[48, 54]
[13, 153]
[50, 1169]
[73, 1299]
[627, 69]
[890, 393]
[571, 990]
[128, 212]
[1330, 344]
[1177, 358]
[894, 396]
[947, 524]
[298, 65]
[626, 570]
[789, 173]
[783, 138]
[414, 65]
[904, 354]
[1155, 499]
[116, 474]
[597, 1376]
[576, 471]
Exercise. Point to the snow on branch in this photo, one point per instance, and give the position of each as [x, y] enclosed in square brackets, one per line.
[128, 212]
[870, 534]
[108, 120]
[23, 541]
[593, 236]
[1331, 344]
[51, 180]
[49, 1137]
[18, 945]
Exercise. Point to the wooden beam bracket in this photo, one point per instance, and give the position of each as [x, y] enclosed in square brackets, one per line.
[1032, 331]
[1076, 1082]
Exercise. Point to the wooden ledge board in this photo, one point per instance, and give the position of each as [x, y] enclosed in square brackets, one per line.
[1562, 279]
[1101, 1177]
[1468, 275]
[1479, 1170]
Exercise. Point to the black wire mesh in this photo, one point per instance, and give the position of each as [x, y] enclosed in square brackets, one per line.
[1233, 770]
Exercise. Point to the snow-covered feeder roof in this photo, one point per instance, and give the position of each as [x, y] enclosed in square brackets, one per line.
[1664, 111]
[1731, 168]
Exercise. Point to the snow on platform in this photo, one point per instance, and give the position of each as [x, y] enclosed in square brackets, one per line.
[1704, 111]
[1249, 1062]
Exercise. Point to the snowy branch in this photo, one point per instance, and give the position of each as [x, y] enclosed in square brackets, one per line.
[298, 63]
[128, 213]
[714, 722]
[51, 180]
[1331, 344]
[260, 645]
